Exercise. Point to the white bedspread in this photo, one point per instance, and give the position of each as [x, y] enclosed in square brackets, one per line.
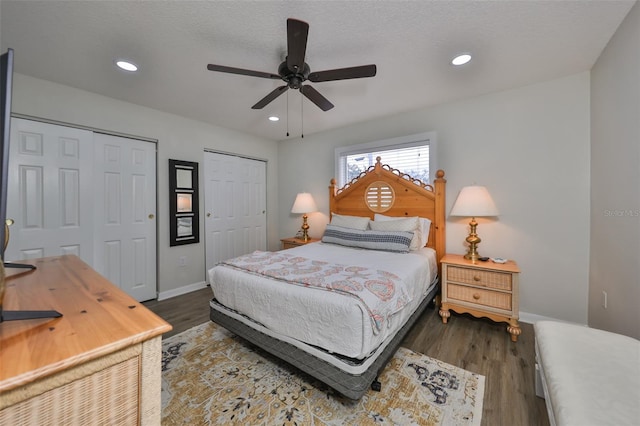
[335, 322]
[590, 376]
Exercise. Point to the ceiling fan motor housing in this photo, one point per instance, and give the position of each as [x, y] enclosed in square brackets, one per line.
[293, 78]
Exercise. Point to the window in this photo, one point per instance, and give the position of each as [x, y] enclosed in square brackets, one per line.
[412, 155]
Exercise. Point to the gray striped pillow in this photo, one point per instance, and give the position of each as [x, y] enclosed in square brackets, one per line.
[394, 241]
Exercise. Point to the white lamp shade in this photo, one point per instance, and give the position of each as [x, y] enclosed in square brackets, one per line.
[304, 204]
[474, 201]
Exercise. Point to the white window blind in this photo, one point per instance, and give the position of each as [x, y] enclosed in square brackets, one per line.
[411, 155]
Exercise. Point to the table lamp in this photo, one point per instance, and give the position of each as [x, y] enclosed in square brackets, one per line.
[474, 201]
[304, 204]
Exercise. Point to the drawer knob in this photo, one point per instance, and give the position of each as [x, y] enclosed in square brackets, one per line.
[476, 278]
[476, 296]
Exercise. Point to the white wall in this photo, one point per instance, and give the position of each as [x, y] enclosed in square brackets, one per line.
[615, 182]
[528, 146]
[178, 138]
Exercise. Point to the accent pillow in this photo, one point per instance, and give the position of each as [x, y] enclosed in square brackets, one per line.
[409, 224]
[398, 242]
[353, 222]
[425, 226]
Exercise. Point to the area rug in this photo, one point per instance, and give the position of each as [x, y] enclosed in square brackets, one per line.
[212, 377]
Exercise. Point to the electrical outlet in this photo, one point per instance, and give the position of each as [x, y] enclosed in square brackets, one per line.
[182, 261]
[604, 299]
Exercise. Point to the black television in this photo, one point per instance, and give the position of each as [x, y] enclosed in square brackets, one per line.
[6, 87]
[6, 81]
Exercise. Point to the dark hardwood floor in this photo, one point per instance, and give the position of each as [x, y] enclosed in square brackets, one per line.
[183, 312]
[477, 345]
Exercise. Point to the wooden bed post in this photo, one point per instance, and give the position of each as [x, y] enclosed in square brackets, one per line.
[441, 220]
[332, 197]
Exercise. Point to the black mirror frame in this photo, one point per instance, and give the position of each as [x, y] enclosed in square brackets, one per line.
[176, 190]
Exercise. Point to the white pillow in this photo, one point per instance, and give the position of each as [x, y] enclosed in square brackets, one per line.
[409, 224]
[425, 226]
[353, 222]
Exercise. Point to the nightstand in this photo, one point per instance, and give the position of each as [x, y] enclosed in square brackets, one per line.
[288, 243]
[482, 289]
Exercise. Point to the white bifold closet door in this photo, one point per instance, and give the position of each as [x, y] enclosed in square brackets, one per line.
[125, 215]
[73, 191]
[235, 207]
[50, 181]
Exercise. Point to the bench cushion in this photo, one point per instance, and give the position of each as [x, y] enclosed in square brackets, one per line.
[591, 376]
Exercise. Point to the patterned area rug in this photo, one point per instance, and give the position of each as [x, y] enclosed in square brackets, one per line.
[212, 377]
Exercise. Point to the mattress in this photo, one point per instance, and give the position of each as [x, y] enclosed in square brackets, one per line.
[589, 376]
[333, 322]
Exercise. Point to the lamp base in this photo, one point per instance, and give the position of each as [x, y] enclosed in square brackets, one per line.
[305, 229]
[473, 241]
[472, 256]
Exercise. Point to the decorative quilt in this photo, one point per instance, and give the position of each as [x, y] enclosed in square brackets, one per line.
[382, 293]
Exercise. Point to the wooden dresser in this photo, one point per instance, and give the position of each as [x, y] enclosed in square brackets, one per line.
[100, 363]
[482, 289]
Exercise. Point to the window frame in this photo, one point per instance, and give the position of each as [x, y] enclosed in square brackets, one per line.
[409, 141]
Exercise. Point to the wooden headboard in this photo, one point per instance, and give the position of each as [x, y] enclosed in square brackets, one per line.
[385, 190]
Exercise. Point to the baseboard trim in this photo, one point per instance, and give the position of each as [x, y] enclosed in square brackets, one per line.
[163, 295]
[533, 318]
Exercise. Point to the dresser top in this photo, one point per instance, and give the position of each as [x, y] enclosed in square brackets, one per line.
[98, 319]
[458, 259]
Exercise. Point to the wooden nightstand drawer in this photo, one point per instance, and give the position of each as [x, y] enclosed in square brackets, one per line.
[478, 296]
[490, 279]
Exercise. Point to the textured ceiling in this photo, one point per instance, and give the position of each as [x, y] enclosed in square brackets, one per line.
[514, 43]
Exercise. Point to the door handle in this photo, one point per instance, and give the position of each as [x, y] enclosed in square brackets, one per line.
[151, 216]
[7, 224]
[208, 214]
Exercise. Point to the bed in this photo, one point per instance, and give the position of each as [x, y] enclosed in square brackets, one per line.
[338, 309]
[587, 376]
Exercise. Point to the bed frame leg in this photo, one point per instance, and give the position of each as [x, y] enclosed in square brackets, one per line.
[376, 385]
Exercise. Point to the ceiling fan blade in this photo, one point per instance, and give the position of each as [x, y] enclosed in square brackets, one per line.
[297, 32]
[270, 97]
[314, 96]
[343, 73]
[231, 70]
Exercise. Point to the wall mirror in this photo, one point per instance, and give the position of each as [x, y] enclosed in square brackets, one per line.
[183, 203]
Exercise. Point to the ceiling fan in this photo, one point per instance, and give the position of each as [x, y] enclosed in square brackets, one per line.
[294, 71]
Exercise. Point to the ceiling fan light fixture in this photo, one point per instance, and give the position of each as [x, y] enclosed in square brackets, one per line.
[461, 59]
[274, 118]
[126, 65]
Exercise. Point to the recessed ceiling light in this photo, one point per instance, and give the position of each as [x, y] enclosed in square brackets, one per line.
[126, 65]
[274, 118]
[461, 59]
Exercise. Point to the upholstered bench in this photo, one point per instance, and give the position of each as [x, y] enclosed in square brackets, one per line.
[587, 376]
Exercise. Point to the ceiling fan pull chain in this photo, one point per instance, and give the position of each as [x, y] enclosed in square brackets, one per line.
[301, 116]
[287, 114]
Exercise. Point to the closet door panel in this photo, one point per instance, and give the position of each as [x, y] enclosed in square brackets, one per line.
[50, 175]
[235, 207]
[125, 214]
